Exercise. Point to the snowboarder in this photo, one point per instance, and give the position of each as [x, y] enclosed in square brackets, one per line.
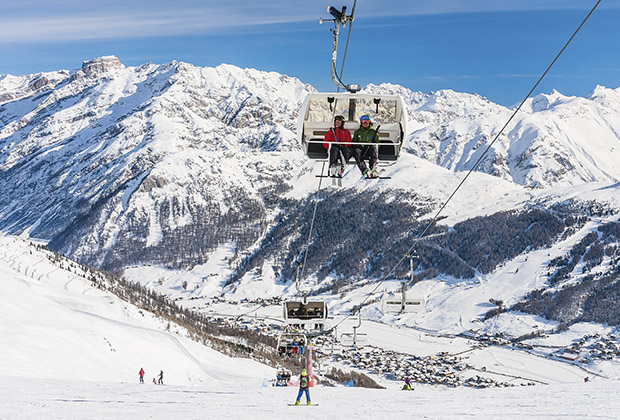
[337, 152]
[303, 387]
[366, 134]
[141, 373]
[160, 379]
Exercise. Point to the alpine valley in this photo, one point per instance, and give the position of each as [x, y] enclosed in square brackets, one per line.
[190, 181]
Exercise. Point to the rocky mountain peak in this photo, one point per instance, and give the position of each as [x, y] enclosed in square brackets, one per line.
[100, 65]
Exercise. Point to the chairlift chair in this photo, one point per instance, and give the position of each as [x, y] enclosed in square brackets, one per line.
[292, 343]
[308, 315]
[397, 303]
[354, 339]
[316, 117]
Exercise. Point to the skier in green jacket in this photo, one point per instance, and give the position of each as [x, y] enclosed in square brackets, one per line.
[366, 134]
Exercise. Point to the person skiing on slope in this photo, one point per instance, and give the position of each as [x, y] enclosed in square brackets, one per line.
[160, 381]
[303, 387]
[141, 373]
[366, 134]
[338, 151]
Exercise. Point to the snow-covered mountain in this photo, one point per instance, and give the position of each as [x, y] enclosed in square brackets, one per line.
[165, 163]
[107, 155]
[553, 140]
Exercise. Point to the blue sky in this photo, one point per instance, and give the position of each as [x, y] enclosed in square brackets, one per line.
[496, 48]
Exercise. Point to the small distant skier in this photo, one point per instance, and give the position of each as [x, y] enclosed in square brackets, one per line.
[141, 373]
[407, 386]
[160, 379]
[303, 387]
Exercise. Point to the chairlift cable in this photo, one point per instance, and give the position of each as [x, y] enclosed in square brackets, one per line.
[434, 219]
[316, 203]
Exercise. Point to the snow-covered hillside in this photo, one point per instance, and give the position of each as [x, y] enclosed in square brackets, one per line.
[57, 325]
[178, 167]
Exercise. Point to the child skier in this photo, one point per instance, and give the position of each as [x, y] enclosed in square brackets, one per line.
[303, 387]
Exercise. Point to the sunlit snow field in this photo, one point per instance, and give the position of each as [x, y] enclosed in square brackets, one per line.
[29, 399]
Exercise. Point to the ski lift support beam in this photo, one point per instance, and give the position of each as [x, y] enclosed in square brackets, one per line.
[340, 18]
[298, 282]
[359, 324]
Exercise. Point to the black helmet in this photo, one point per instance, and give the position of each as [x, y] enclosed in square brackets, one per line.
[339, 117]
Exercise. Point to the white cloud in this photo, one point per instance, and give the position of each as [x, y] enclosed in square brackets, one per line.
[62, 20]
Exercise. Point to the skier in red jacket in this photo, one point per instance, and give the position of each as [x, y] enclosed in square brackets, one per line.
[338, 134]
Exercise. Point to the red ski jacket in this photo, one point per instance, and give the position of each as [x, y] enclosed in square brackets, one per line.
[337, 134]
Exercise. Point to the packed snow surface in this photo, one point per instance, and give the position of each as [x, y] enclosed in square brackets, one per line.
[24, 399]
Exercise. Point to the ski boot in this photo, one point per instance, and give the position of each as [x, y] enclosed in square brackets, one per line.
[308, 403]
[374, 173]
[333, 170]
[367, 174]
[296, 402]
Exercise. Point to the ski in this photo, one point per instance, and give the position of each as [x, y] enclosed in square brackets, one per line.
[302, 405]
[380, 171]
[335, 179]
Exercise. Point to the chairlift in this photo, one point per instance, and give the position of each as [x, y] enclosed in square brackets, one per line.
[316, 116]
[397, 303]
[400, 302]
[292, 343]
[304, 314]
[283, 376]
[355, 338]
